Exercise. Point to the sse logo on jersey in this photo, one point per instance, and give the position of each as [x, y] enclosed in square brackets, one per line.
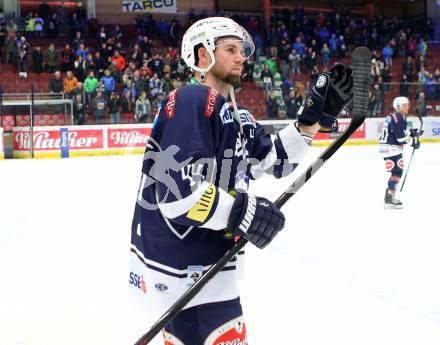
[138, 281]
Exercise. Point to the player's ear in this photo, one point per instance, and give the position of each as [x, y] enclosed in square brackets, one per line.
[203, 57]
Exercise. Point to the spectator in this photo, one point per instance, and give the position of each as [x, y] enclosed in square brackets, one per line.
[37, 60]
[140, 84]
[55, 83]
[412, 46]
[30, 25]
[53, 26]
[90, 64]
[79, 112]
[67, 58]
[82, 51]
[421, 105]
[284, 70]
[156, 65]
[79, 90]
[79, 68]
[39, 25]
[267, 77]
[298, 46]
[70, 84]
[51, 58]
[404, 86]
[430, 87]
[293, 103]
[21, 62]
[167, 85]
[272, 64]
[325, 53]
[90, 86]
[127, 105]
[102, 35]
[119, 61]
[99, 104]
[387, 53]
[129, 87]
[77, 41]
[272, 107]
[143, 108]
[376, 100]
[422, 47]
[100, 64]
[109, 83]
[114, 105]
[408, 68]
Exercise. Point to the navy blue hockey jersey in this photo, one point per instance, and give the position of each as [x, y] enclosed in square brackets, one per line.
[394, 135]
[197, 152]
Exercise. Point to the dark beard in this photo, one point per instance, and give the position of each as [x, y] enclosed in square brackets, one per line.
[230, 79]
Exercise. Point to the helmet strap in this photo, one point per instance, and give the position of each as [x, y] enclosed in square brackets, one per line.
[202, 77]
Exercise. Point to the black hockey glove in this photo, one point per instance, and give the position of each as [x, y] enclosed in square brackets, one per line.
[256, 219]
[415, 135]
[327, 97]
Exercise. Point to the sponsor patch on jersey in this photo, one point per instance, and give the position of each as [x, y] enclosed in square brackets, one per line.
[200, 211]
[226, 114]
[246, 118]
[211, 99]
[137, 281]
[321, 81]
[232, 332]
[169, 106]
[194, 274]
[389, 164]
[161, 287]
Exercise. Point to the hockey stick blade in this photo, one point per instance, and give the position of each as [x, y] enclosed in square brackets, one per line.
[361, 64]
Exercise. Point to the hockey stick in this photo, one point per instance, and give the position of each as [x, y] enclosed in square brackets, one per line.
[412, 153]
[361, 63]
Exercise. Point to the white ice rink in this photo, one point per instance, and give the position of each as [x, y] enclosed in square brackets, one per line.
[344, 271]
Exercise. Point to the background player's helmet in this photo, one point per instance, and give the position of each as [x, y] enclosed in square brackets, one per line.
[399, 101]
[205, 32]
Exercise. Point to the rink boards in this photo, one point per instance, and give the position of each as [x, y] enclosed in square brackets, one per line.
[73, 141]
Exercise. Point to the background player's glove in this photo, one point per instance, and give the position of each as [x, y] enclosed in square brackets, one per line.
[256, 219]
[414, 134]
[327, 97]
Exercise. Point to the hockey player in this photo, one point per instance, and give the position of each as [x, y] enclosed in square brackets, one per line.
[393, 137]
[193, 200]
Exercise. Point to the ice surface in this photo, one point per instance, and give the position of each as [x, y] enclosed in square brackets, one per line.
[344, 271]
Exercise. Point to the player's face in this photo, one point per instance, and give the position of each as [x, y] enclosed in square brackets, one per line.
[405, 108]
[229, 58]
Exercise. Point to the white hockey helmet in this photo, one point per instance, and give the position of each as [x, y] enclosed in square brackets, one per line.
[399, 101]
[205, 32]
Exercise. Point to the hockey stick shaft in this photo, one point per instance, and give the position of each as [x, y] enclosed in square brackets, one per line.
[412, 155]
[361, 67]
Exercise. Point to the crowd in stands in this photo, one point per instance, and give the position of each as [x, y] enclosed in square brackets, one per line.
[300, 44]
[110, 72]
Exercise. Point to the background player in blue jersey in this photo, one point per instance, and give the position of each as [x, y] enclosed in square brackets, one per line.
[209, 148]
[393, 137]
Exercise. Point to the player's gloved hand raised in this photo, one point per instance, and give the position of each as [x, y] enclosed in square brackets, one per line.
[415, 135]
[327, 97]
[256, 219]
